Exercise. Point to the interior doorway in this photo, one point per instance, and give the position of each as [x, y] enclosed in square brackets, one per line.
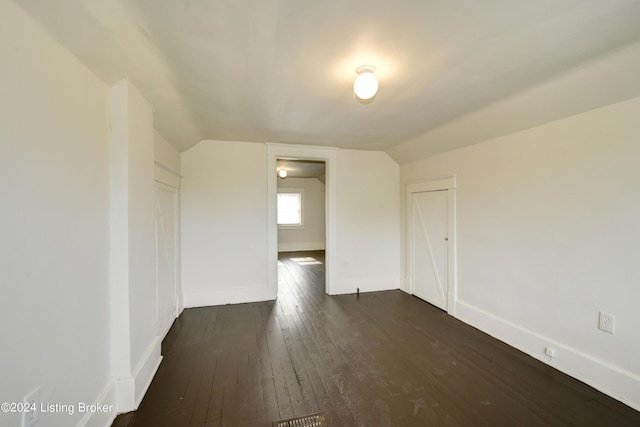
[310, 158]
[301, 275]
[431, 240]
[300, 206]
[166, 221]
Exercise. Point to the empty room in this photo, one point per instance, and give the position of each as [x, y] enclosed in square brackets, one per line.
[303, 213]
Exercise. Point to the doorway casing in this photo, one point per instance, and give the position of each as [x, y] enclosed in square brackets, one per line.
[301, 152]
[436, 184]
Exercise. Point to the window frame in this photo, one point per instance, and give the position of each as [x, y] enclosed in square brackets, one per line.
[299, 191]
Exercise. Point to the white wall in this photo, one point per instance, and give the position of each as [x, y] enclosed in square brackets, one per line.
[135, 348]
[166, 156]
[168, 172]
[312, 235]
[142, 233]
[367, 222]
[54, 274]
[547, 226]
[224, 223]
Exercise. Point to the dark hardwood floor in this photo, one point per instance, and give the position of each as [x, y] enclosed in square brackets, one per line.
[378, 359]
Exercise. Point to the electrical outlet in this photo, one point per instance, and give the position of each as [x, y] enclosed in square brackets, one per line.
[607, 322]
[31, 410]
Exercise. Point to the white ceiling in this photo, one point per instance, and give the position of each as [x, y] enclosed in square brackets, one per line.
[302, 168]
[282, 70]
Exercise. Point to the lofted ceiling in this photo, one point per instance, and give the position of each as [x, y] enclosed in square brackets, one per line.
[282, 70]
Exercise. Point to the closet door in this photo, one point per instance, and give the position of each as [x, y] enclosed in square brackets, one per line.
[429, 246]
[166, 256]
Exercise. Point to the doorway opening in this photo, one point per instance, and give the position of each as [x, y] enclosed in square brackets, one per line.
[304, 230]
[301, 214]
[301, 276]
[431, 240]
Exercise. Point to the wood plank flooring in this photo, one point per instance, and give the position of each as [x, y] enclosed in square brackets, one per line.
[378, 359]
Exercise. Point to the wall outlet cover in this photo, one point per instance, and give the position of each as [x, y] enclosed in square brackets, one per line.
[31, 413]
[606, 322]
[550, 351]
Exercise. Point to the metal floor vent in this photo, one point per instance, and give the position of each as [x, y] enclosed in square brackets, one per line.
[314, 420]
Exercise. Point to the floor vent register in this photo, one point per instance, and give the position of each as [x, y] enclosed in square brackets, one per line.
[314, 420]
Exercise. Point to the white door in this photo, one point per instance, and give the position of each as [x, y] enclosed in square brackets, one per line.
[166, 203]
[429, 241]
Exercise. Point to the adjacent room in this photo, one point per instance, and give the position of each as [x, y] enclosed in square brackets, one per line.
[223, 212]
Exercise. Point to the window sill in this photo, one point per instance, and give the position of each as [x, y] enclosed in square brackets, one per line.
[290, 227]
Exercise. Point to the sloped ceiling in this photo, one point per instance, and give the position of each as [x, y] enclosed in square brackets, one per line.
[282, 70]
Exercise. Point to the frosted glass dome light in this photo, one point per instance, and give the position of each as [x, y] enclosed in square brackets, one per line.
[282, 173]
[366, 84]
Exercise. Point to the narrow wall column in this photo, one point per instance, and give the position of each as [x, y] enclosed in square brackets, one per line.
[135, 347]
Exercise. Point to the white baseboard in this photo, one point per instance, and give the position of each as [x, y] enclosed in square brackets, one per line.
[147, 368]
[620, 384]
[404, 284]
[232, 295]
[130, 391]
[104, 416]
[365, 284]
[180, 303]
[295, 247]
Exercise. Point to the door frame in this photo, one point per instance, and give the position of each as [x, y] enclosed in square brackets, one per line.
[291, 151]
[175, 192]
[435, 184]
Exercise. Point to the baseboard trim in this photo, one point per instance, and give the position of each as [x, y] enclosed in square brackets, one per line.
[297, 247]
[234, 295]
[620, 384]
[365, 284]
[147, 368]
[106, 398]
[130, 391]
[404, 285]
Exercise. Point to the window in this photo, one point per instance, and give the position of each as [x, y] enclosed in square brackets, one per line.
[290, 208]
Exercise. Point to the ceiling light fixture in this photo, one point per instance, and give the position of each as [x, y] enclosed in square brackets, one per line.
[282, 173]
[366, 84]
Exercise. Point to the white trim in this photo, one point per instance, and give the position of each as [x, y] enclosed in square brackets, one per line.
[165, 177]
[290, 151]
[166, 187]
[288, 190]
[295, 151]
[175, 187]
[177, 291]
[432, 184]
[306, 246]
[620, 384]
[167, 168]
[130, 391]
[231, 295]
[98, 418]
[435, 184]
[371, 284]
